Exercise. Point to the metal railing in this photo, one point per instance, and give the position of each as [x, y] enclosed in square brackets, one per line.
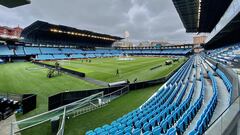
[93, 105]
[47, 116]
[61, 130]
[74, 109]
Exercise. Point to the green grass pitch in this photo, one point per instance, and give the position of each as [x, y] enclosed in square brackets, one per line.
[104, 69]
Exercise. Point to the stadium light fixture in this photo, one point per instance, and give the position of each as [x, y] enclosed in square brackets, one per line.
[199, 13]
[81, 34]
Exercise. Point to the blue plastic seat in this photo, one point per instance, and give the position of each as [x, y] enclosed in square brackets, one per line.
[121, 127]
[104, 133]
[143, 120]
[98, 130]
[201, 129]
[129, 123]
[147, 133]
[106, 127]
[128, 130]
[156, 130]
[113, 130]
[164, 125]
[181, 126]
[119, 132]
[138, 124]
[115, 124]
[146, 126]
[90, 133]
[193, 132]
[152, 122]
[136, 131]
[172, 131]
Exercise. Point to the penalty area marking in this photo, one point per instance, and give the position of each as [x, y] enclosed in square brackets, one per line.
[126, 59]
[34, 68]
[64, 62]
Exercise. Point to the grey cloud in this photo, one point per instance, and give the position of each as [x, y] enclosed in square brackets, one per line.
[144, 19]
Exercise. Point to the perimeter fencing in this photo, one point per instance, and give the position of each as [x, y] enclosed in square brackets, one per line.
[64, 98]
[70, 110]
[48, 116]
[61, 129]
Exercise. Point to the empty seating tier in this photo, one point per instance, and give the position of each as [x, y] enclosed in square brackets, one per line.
[32, 50]
[159, 113]
[4, 51]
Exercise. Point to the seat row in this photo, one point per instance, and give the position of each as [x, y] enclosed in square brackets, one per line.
[178, 75]
[226, 81]
[205, 118]
[226, 55]
[12, 50]
[191, 112]
[177, 113]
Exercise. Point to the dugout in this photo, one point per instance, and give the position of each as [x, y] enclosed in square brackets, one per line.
[29, 102]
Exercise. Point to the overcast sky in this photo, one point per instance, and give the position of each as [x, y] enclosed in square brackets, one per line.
[144, 19]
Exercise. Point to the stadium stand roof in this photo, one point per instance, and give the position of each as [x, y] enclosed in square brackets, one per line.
[188, 12]
[14, 3]
[228, 34]
[211, 13]
[46, 33]
[201, 16]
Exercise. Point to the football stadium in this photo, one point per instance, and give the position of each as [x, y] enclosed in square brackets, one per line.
[57, 79]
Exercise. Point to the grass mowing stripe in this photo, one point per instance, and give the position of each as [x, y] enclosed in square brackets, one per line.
[104, 69]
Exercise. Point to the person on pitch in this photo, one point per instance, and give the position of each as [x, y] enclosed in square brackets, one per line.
[117, 72]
